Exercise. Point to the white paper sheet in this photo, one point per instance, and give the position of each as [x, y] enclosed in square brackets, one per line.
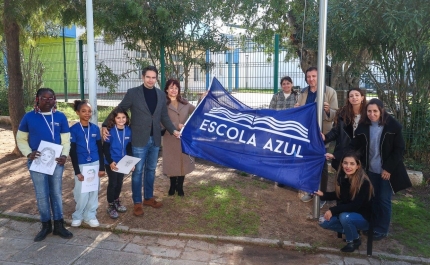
[91, 178]
[126, 164]
[46, 163]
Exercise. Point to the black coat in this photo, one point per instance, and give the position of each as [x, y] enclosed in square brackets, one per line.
[360, 204]
[391, 148]
[343, 134]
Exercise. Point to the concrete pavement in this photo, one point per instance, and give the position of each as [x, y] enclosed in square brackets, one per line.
[122, 245]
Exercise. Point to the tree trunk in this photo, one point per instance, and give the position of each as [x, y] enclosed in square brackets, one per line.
[14, 73]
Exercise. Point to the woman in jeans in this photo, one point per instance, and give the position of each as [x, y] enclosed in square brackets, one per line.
[353, 193]
[379, 140]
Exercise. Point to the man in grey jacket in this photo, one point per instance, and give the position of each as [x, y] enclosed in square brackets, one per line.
[148, 109]
[309, 95]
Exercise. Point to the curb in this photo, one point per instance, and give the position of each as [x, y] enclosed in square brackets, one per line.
[230, 239]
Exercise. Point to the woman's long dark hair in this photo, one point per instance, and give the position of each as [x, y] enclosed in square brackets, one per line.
[179, 98]
[356, 179]
[346, 112]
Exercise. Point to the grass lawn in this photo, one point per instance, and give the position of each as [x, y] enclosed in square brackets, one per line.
[410, 220]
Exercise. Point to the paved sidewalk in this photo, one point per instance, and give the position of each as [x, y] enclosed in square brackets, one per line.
[127, 246]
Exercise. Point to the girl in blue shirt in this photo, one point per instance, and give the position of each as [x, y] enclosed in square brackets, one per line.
[86, 150]
[115, 147]
[46, 124]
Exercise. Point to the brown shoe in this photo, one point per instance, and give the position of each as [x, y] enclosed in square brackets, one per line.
[152, 202]
[138, 209]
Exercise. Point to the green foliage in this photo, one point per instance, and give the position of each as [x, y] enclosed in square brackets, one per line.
[387, 40]
[4, 104]
[185, 30]
[107, 78]
[400, 50]
[410, 220]
[417, 132]
[32, 73]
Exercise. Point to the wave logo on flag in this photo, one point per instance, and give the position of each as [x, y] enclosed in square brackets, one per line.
[283, 146]
[267, 124]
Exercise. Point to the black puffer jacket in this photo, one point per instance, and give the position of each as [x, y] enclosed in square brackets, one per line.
[343, 134]
[391, 148]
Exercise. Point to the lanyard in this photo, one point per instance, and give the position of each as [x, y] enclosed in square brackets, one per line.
[87, 139]
[50, 129]
[123, 137]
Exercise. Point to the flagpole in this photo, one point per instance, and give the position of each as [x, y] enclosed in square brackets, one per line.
[321, 80]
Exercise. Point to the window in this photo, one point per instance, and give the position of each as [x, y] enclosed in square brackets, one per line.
[142, 54]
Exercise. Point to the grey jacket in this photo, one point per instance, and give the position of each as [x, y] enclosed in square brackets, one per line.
[279, 102]
[141, 118]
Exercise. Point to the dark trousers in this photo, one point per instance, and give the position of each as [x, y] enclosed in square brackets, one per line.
[114, 185]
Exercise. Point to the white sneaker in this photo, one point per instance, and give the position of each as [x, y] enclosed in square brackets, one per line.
[76, 223]
[307, 197]
[93, 223]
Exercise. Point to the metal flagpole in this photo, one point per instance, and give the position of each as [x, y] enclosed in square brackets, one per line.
[92, 85]
[321, 78]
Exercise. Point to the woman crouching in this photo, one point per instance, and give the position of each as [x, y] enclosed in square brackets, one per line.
[353, 193]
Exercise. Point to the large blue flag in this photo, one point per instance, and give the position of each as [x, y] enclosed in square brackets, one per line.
[284, 146]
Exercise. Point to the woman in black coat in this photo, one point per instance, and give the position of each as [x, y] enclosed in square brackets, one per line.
[379, 140]
[345, 123]
[353, 193]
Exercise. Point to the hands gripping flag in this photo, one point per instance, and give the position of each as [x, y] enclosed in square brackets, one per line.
[284, 146]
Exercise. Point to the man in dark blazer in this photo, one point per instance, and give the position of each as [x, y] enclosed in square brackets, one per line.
[148, 110]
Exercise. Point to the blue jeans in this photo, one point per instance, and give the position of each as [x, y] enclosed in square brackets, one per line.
[381, 202]
[147, 165]
[88, 202]
[48, 190]
[346, 223]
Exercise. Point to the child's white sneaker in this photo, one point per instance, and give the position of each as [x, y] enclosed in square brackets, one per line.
[76, 223]
[92, 223]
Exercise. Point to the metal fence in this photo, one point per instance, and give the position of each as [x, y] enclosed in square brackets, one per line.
[241, 70]
[245, 69]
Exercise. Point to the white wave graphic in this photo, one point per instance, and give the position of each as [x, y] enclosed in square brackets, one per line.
[281, 125]
[276, 127]
[231, 115]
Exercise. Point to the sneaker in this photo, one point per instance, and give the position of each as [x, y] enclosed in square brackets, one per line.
[322, 203]
[92, 222]
[152, 202]
[307, 197]
[119, 207]
[76, 223]
[112, 211]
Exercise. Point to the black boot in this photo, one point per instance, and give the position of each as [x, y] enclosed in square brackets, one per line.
[180, 186]
[350, 247]
[172, 189]
[60, 230]
[46, 229]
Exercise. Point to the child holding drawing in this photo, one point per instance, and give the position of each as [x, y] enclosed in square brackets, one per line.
[46, 124]
[86, 153]
[115, 147]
